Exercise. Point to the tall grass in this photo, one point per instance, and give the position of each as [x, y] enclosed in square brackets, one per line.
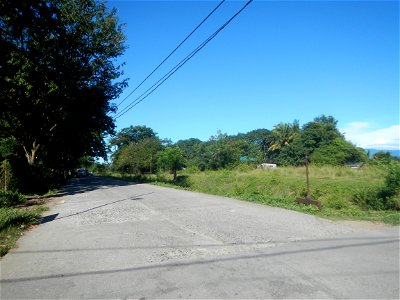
[13, 221]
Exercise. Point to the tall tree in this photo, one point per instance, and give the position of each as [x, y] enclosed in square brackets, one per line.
[190, 148]
[337, 152]
[258, 142]
[57, 77]
[322, 130]
[132, 135]
[138, 158]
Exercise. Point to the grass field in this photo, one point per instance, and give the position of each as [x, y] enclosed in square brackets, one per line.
[335, 187]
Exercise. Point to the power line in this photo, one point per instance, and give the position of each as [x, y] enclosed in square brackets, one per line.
[149, 91]
[152, 72]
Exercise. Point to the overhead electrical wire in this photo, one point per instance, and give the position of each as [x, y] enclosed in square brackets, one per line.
[150, 90]
[173, 51]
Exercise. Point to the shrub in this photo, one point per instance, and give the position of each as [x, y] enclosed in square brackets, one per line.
[393, 202]
[336, 203]
[10, 198]
[367, 198]
[392, 180]
[386, 197]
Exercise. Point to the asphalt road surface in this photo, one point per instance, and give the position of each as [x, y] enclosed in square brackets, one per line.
[104, 238]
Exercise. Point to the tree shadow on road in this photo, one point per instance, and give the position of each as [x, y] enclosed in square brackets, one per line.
[87, 184]
[53, 217]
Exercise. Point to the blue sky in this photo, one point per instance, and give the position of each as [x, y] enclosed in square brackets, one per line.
[278, 61]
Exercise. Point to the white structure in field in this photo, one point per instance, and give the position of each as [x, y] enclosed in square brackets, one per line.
[267, 166]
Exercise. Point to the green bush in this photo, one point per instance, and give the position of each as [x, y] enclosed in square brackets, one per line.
[15, 217]
[393, 202]
[390, 193]
[383, 198]
[10, 198]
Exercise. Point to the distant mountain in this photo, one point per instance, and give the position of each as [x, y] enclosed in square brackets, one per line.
[392, 152]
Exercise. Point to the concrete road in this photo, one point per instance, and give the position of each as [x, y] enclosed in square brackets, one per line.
[104, 238]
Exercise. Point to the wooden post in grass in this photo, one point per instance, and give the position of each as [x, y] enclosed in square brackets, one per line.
[307, 177]
[307, 200]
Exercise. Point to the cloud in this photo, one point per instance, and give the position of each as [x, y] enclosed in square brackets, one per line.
[362, 134]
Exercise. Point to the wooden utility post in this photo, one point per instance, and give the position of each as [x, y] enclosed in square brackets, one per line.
[307, 178]
[307, 200]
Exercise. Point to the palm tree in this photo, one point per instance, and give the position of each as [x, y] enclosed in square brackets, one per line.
[283, 134]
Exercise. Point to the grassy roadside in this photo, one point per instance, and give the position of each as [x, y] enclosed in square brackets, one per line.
[336, 188]
[14, 221]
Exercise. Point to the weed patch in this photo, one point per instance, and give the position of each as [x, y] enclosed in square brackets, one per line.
[13, 221]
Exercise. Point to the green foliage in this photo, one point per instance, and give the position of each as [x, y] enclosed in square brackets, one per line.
[10, 198]
[257, 143]
[58, 77]
[390, 194]
[138, 158]
[283, 134]
[384, 158]
[101, 169]
[12, 223]
[384, 197]
[292, 154]
[286, 145]
[337, 152]
[321, 131]
[14, 217]
[8, 147]
[191, 151]
[6, 175]
[132, 135]
[223, 152]
[171, 159]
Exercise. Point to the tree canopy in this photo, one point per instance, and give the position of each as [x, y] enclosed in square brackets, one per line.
[132, 135]
[287, 144]
[171, 159]
[57, 77]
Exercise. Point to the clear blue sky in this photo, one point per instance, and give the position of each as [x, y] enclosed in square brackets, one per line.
[278, 61]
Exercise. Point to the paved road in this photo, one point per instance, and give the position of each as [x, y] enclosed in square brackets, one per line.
[108, 239]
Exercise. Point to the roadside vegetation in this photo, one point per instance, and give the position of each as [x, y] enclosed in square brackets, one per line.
[345, 193]
[348, 182]
[14, 221]
[17, 214]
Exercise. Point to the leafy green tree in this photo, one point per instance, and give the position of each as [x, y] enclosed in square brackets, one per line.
[138, 158]
[338, 153]
[57, 77]
[101, 169]
[191, 150]
[322, 130]
[223, 152]
[257, 143]
[202, 156]
[384, 157]
[132, 135]
[293, 154]
[171, 159]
